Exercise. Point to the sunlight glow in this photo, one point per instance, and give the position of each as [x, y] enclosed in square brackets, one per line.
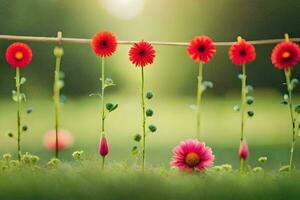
[123, 9]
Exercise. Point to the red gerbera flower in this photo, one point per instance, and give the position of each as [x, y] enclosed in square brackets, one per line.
[242, 52]
[201, 48]
[104, 44]
[141, 54]
[285, 55]
[18, 55]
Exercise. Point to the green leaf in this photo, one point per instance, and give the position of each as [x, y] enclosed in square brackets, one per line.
[23, 80]
[284, 102]
[257, 169]
[241, 76]
[249, 88]
[262, 159]
[134, 151]
[108, 82]
[111, 107]
[284, 168]
[137, 137]
[61, 84]
[249, 100]
[236, 108]
[22, 96]
[250, 113]
[207, 84]
[297, 108]
[114, 108]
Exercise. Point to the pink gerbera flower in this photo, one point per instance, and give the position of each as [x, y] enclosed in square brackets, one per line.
[192, 155]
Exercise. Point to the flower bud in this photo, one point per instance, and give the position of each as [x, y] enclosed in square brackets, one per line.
[77, 154]
[34, 159]
[25, 128]
[29, 110]
[149, 95]
[103, 146]
[58, 51]
[137, 137]
[149, 112]
[6, 156]
[243, 151]
[152, 128]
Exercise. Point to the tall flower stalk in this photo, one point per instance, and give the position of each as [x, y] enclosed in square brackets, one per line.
[143, 119]
[201, 49]
[199, 100]
[104, 44]
[58, 84]
[285, 56]
[18, 55]
[288, 74]
[142, 54]
[242, 52]
[19, 100]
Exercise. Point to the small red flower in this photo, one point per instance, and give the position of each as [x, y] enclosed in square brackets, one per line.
[242, 52]
[141, 54]
[285, 55]
[103, 146]
[104, 44]
[18, 55]
[201, 48]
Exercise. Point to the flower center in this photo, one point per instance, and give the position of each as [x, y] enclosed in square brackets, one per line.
[242, 52]
[192, 159]
[104, 43]
[142, 52]
[286, 55]
[201, 48]
[19, 55]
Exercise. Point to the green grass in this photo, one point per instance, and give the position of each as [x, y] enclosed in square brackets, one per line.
[268, 134]
[84, 180]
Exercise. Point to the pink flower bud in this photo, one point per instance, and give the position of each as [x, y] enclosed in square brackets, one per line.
[103, 147]
[244, 151]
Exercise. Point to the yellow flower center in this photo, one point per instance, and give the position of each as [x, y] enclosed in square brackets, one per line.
[286, 55]
[192, 159]
[19, 55]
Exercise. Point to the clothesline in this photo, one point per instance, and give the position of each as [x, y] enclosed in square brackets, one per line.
[124, 42]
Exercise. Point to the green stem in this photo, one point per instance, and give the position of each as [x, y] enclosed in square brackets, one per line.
[56, 94]
[102, 93]
[199, 100]
[243, 107]
[287, 73]
[143, 122]
[103, 163]
[243, 102]
[242, 165]
[18, 88]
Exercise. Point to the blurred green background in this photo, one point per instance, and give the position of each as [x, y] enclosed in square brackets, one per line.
[172, 77]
